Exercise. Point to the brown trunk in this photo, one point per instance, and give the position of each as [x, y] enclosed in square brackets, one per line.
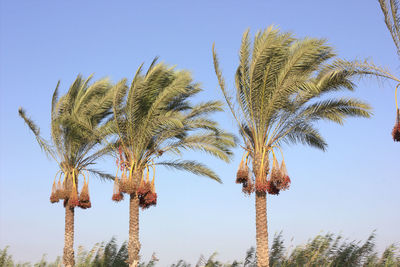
[133, 244]
[68, 258]
[262, 230]
[261, 215]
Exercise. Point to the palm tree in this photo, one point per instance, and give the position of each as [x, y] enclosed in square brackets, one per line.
[390, 9]
[79, 123]
[279, 86]
[154, 117]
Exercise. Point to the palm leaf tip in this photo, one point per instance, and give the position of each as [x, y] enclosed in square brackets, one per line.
[193, 167]
[28, 121]
[47, 148]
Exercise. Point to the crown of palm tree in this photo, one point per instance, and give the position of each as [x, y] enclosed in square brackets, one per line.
[154, 116]
[80, 120]
[281, 89]
[280, 85]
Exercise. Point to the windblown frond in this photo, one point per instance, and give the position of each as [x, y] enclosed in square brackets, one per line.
[154, 116]
[191, 166]
[285, 85]
[100, 174]
[337, 110]
[80, 123]
[36, 131]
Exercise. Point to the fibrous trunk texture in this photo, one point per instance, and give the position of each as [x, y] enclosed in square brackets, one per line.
[68, 258]
[262, 230]
[261, 216]
[133, 244]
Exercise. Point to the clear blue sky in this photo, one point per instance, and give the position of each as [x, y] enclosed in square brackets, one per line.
[352, 188]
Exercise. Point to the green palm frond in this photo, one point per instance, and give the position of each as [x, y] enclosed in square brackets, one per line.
[209, 143]
[284, 86]
[101, 175]
[305, 134]
[155, 115]
[337, 110]
[204, 109]
[191, 166]
[107, 149]
[228, 98]
[80, 123]
[390, 10]
[358, 68]
[96, 90]
[54, 100]
[44, 145]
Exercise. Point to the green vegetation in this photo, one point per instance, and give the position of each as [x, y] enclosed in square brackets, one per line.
[323, 250]
[154, 117]
[80, 121]
[390, 10]
[284, 85]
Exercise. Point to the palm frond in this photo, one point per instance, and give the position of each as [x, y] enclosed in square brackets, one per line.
[191, 166]
[155, 115]
[204, 109]
[305, 134]
[80, 123]
[281, 85]
[363, 68]
[337, 109]
[36, 131]
[100, 174]
[390, 11]
[209, 143]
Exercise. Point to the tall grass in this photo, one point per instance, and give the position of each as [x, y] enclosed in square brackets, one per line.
[323, 250]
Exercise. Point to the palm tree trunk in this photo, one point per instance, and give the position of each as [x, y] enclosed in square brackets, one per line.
[133, 244]
[262, 230]
[68, 258]
[261, 214]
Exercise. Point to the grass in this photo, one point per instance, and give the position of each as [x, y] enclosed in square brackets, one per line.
[322, 250]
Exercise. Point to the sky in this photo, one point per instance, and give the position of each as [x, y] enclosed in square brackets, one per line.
[351, 189]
